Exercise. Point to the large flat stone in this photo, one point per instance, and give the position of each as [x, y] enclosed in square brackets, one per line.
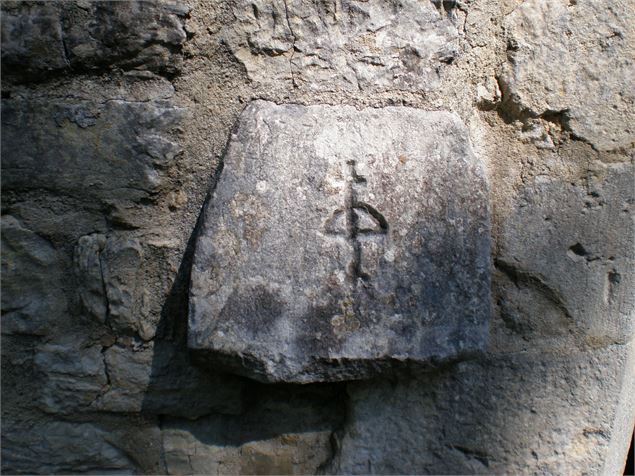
[341, 242]
[567, 251]
[523, 413]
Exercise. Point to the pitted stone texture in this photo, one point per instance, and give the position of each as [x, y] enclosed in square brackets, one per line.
[328, 46]
[341, 242]
[545, 74]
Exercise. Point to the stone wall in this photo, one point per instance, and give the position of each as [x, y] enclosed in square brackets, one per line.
[115, 118]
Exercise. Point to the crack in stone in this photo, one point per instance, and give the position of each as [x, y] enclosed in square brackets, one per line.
[286, 12]
[104, 289]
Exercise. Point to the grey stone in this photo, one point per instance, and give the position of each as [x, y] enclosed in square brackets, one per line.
[568, 257]
[623, 418]
[43, 37]
[340, 242]
[130, 379]
[123, 282]
[108, 154]
[158, 378]
[93, 127]
[110, 285]
[88, 267]
[73, 377]
[284, 432]
[545, 75]
[60, 448]
[372, 45]
[301, 453]
[33, 301]
[524, 413]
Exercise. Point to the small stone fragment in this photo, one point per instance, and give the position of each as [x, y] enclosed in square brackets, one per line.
[108, 270]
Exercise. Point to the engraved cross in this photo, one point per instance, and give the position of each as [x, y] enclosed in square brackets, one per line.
[354, 219]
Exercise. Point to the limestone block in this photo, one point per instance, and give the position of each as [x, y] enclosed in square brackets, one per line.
[73, 376]
[545, 74]
[285, 454]
[372, 45]
[108, 154]
[60, 447]
[33, 301]
[341, 242]
[523, 413]
[568, 255]
[41, 37]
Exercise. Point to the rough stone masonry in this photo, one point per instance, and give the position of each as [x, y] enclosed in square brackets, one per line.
[509, 307]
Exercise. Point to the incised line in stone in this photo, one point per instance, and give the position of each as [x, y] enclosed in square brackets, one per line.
[353, 209]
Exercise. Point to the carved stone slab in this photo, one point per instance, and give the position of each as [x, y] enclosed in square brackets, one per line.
[339, 243]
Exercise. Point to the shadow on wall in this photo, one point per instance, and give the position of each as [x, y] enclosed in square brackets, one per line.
[213, 422]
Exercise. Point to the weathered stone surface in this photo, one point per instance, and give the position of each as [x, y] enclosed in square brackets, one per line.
[524, 413]
[568, 251]
[110, 285]
[158, 378]
[43, 37]
[372, 45]
[133, 379]
[93, 97]
[341, 241]
[89, 269]
[32, 298]
[61, 448]
[545, 74]
[109, 154]
[73, 376]
[286, 454]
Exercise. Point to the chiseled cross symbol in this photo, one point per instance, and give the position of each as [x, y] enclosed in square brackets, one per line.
[355, 219]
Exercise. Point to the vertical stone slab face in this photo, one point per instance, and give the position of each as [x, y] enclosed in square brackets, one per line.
[341, 242]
